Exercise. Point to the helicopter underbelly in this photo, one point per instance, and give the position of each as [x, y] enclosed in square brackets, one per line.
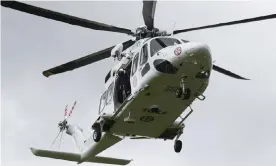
[161, 94]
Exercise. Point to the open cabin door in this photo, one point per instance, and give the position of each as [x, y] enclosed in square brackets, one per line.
[122, 87]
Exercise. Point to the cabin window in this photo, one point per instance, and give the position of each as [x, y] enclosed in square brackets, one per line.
[160, 43]
[135, 64]
[102, 101]
[109, 93]
[144, 55]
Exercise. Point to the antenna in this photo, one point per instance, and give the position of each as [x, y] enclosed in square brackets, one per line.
[173, 28]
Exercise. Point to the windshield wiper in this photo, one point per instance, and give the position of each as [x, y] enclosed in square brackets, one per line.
[162, 44]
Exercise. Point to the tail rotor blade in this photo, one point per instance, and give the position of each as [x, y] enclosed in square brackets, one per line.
[55, 139]
[73, 107]
[65, 112]
[60, 139]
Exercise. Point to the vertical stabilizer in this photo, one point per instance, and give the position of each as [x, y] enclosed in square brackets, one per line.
[77, 133]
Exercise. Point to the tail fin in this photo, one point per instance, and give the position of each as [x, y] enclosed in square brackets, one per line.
[76, 157]
[77, 133]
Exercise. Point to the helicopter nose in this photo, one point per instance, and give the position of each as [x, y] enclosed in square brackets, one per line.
[191, 48]
[192, 53]
[195, 47]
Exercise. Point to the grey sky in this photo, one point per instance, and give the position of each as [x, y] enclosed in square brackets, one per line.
[235, 125]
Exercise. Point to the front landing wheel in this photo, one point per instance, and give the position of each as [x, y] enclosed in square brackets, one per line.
[187, 94]
[97, 135]
[178, 93]
[177, 146]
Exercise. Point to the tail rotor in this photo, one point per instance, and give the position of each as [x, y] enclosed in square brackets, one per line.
[63, 125]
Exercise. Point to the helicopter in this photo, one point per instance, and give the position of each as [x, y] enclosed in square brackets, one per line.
[155, 78]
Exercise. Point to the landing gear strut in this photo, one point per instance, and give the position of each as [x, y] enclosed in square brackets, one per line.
[178, 143]
[182, 91]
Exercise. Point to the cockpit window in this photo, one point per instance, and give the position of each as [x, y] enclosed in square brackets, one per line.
[160, 43]
[135, 64]
[144, 54]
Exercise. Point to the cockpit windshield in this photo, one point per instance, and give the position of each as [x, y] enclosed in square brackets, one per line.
[159, 43]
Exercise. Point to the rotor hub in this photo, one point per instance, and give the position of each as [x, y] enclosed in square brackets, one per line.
[144, 32]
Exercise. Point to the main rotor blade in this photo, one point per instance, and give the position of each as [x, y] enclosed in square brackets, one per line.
[148, 13]
[62, 17]
[228, 73]
[94, 57]
[272, 16]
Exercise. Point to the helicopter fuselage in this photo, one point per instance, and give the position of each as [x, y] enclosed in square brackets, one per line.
[163, 84]
[152, 83]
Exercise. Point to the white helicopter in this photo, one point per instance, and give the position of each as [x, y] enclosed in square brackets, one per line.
[156, 77]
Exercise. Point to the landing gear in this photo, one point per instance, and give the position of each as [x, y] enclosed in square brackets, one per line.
[178, 143]
[177, 146]
[178, 93]
[97, 134]
[187, 94]
[182, 91]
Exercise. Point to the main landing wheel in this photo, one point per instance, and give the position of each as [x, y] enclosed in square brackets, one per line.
[177, 146]
[178, 93]
[97, 135]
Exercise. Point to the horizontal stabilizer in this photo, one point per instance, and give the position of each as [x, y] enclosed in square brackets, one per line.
[108, 160]
[76, 157]
[106, 142]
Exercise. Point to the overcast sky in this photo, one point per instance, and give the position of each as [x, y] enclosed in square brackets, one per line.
[235, 125]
